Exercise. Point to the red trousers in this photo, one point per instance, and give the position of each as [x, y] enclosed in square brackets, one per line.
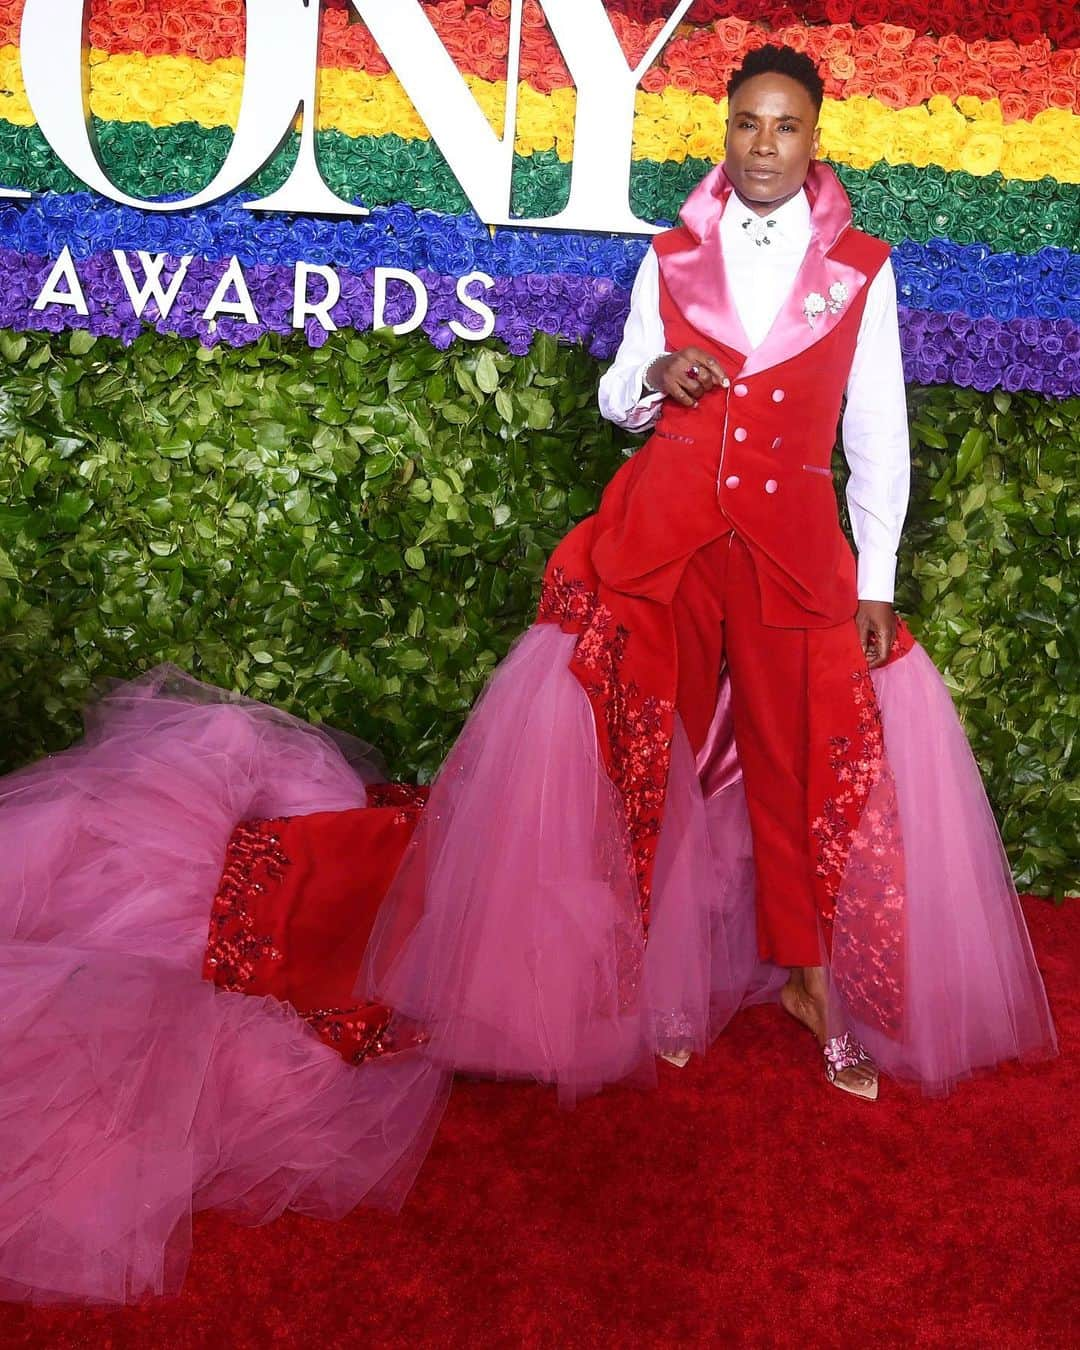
[717, 618]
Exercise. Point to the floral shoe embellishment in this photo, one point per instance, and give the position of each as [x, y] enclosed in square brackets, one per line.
[815, 304]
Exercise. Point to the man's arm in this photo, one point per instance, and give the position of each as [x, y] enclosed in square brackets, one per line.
[876, 445]
[643, 373]
[623, 397]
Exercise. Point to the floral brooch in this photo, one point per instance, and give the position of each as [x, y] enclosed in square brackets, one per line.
[815, 304]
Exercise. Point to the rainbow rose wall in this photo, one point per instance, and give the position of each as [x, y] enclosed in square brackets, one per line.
[210, 457]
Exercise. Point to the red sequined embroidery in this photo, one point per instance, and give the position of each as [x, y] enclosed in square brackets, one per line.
[356, 1033]
[861, 861]
[639, 726]
[856, 763]
[407, 796]
[234, 950]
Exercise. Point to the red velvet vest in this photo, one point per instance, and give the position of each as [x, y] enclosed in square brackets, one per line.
[755, 458]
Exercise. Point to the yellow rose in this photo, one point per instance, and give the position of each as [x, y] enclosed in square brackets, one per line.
[981, 152]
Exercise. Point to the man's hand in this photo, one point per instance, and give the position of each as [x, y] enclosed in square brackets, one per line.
[685, 376]
[876, 622]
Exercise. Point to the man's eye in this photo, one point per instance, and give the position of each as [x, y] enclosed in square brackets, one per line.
[788, 127]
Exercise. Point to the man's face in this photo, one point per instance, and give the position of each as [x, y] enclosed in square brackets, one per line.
[771, 138]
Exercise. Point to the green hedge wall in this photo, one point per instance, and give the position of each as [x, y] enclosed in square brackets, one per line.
[357, 532]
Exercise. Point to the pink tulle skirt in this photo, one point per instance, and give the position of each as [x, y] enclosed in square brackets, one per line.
[131, 1092]
[511, 930]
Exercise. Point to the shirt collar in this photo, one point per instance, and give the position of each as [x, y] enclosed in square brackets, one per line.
[789, 224]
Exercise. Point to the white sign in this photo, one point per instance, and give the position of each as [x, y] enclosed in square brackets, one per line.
[280, 81]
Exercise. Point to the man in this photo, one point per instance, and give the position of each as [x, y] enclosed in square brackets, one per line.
[745, 328]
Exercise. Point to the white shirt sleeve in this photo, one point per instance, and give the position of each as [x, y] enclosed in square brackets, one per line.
[622, 395]
[876, 444]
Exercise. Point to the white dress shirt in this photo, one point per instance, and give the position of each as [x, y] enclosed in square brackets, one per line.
[875, 429]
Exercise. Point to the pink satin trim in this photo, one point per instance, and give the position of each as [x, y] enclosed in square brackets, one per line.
[717, 761]
[697, 281]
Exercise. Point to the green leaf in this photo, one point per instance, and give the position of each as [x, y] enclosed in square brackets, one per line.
[80, 342]
[487, 372]
[540, 413]
[414, 558]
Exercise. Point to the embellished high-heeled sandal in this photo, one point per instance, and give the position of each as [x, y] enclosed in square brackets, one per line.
[845, 1052]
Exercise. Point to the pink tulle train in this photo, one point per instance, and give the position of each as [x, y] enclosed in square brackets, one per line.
[131, 1092]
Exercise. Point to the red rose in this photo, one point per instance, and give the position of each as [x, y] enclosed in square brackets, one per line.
[872, 11]
[1025, 26]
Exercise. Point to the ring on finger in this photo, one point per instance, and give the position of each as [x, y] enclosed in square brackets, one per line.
[693, 371]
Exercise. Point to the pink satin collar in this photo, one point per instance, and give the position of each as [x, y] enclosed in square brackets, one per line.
[696, 279]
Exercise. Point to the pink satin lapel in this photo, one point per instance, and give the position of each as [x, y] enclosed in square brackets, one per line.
[698, 283]
[696, 277]
[792, 332]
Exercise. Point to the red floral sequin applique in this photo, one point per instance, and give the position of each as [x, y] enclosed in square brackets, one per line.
[356, 1033]
[408, 797]
[861, 861]
[855, 762]
[235, 951]
[638, 726]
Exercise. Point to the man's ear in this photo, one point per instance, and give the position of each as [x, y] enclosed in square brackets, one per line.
[815, 144]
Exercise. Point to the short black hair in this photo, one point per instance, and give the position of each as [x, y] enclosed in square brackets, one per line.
[774, 60]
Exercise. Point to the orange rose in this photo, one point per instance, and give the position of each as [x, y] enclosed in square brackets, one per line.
[894, 37]
[1035, 53]
[842, 66]
[136, 32]
[1003, 56]
[916, 89]
[126, 9]
[941, 82]
[867, 42]
[892, 93]
[731, 33]
[1014, 106]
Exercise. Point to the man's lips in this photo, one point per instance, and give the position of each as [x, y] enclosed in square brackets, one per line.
[760, 173]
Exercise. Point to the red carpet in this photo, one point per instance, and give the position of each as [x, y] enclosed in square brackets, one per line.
[744, 1203]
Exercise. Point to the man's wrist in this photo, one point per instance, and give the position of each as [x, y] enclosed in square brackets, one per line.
[646, 384]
